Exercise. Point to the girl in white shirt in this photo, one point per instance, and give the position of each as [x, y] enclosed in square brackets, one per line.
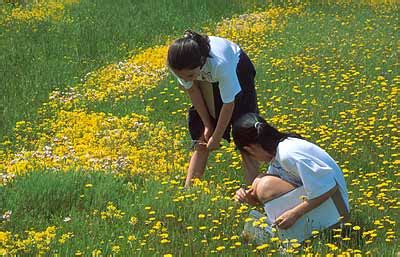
[293, 162]
[195, 58]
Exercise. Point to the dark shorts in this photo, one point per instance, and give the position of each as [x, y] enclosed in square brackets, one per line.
[245, 100]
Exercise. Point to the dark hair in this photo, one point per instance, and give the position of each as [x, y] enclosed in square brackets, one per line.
[189, 52]
[251, 128]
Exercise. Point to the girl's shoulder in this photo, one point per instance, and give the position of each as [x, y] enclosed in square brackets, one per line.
[222, 46]
[292, 148]
[219, 40]
[292, 143]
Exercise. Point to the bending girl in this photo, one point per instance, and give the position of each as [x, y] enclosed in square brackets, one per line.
[196, 58]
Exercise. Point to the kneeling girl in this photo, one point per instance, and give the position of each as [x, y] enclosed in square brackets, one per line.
[293, 162]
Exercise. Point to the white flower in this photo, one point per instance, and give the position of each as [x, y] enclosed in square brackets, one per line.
[6, 216]
[67, 219]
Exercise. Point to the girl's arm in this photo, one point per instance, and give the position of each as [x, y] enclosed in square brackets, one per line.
[223, 121]
[200, 106]
[247, 196]
[288, 218]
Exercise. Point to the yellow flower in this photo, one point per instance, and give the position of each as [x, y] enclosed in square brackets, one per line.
[115, 248]
[262, 247]
[133, 220]
[96, 253]
[220, 248]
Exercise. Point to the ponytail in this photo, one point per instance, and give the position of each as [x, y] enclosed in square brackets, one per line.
[189, 52]
[253, 129]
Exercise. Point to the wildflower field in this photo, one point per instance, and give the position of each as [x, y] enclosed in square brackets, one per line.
[93, 140]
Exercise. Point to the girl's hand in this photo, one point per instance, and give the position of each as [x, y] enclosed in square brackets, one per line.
[287, 219]
[213, 143]
[246, 196]
[208, 132]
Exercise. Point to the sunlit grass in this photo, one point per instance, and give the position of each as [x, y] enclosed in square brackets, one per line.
[56, 43]
[116, 144]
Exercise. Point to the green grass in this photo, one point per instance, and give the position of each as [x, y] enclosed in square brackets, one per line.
[359, 131]
[47, 197]
[37, 58]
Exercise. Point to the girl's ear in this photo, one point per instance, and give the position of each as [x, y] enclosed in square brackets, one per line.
[246, 148]
[249, 149]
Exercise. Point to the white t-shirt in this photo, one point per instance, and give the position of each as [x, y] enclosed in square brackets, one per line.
[303, 163]
[221, 67]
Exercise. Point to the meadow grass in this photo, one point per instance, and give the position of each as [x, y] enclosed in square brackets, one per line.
[330, 74]
[38, 57]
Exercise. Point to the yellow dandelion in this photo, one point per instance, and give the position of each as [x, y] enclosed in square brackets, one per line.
[262, 247]
[220, 248]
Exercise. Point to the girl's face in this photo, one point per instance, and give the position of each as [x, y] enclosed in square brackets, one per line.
[187, 74]
[258, 153]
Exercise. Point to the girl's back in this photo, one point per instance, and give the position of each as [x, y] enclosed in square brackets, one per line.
[312, 164]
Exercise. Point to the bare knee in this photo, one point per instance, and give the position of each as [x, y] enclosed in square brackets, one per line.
[201, 148]
[271, 187]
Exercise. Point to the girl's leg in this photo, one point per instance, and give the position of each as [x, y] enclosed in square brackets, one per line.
[197, 164]
[270, 187]
[250, 167]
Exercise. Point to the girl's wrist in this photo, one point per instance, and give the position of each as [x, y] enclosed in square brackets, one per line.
[207, 124]
[217, 136]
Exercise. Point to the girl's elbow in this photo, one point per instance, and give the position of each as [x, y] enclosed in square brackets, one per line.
[329, 193]
[334, 189]
[324, 196]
